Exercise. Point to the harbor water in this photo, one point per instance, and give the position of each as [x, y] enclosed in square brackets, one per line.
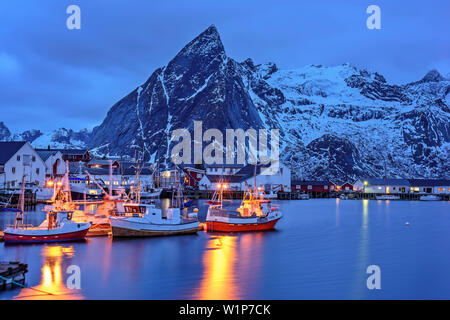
[321, 249]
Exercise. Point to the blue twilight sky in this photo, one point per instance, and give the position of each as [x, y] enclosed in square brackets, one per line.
[52, 77]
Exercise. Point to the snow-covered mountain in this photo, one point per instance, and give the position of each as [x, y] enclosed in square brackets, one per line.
[63, 139]
[60, 139]
[335, 122]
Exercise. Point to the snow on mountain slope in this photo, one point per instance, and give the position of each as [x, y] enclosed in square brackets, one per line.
[63, 139]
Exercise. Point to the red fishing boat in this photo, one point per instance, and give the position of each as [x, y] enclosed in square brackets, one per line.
[256, 213]
[57, 227]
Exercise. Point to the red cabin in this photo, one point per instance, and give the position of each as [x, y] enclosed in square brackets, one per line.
[346, 187]
[192, 176]
[312, 186]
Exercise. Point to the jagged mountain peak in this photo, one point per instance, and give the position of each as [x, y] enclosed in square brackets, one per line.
[432, 76]
[206, 43]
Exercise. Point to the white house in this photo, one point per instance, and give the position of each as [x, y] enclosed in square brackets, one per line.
[272, 181]
[281, 177]
[54, 163]
[371, 185]
[211, 182]
[18, 159]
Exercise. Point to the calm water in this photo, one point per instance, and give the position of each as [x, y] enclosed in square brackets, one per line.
[319, 250]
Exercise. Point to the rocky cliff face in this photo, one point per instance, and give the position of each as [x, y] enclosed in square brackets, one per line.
[200, 83]
[335, 122]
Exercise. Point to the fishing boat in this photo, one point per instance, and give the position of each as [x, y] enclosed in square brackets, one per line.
[145, 220]
[303, 196]
[429, 197]
[255, 213]
[57, 227]
[152, 194]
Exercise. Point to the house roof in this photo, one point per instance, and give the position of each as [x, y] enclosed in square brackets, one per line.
[45, 154]
[225, 165]
[428, 182]
[214, 178]
[382, 182]
[249, 170]
[8, 149]
[72, 152]
[101, 171]
[101, 162]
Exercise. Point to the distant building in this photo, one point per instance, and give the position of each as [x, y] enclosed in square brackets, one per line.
[75, 155]
[374, 185]
[429, 186]
[211, 182]
[54, 163]
[239, 177]
[192, 177]
[101, 163]
[18, 158]
[222, 169]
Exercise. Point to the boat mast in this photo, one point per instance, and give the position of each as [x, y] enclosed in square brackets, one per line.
[21, 205]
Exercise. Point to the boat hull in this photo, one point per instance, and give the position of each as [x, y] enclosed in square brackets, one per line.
[218, 226]
[34, 238]
[128, 233]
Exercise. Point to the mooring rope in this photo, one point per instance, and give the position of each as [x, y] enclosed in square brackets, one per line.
[24, 286]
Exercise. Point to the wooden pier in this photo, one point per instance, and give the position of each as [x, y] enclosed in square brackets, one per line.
[12, 273]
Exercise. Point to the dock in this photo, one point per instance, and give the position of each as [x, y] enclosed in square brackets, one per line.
[12, 274]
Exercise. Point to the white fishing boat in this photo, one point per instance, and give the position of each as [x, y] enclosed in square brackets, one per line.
[303, 196]
[430, 197]
[387, 197]
[145, 220]
[152, 194]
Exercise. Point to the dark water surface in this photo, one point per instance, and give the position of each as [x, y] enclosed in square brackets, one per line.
[319, 250]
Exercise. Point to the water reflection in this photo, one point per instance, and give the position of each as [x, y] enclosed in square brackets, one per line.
[52, 284]
[219, 261]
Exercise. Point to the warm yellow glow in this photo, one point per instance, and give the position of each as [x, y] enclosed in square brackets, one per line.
[365, 183]
[50, 183]
[166, 174]
[225, 186]
[53, 280]
[94, 192]
[59, 183]
[219, 186]
[219, 280]
[387, 189]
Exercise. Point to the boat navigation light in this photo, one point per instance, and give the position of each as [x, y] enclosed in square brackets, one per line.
[50, 183]
[59, 183]
[225, 186]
